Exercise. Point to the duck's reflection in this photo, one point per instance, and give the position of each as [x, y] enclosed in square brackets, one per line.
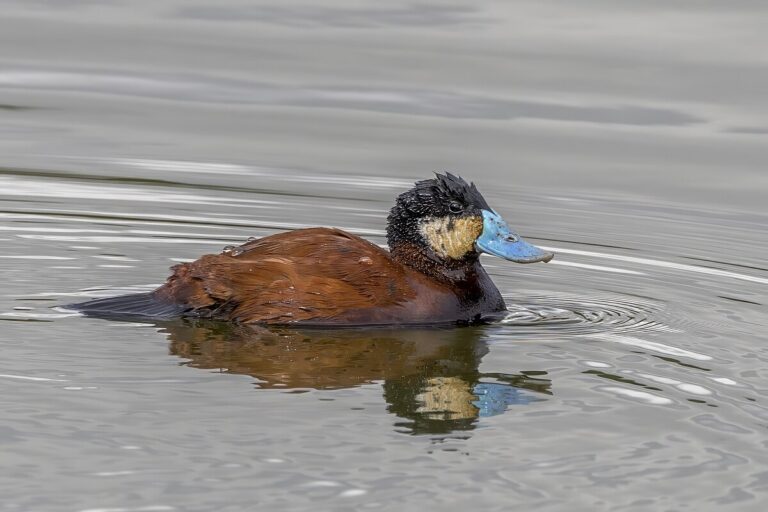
[431, 377]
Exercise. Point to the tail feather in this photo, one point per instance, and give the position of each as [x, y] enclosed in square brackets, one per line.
[136, 304]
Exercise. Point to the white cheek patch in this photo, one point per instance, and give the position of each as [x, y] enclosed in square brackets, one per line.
[451, 237]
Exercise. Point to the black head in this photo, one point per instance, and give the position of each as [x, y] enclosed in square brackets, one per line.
[445, 194]
[447, 220]
[442, 215]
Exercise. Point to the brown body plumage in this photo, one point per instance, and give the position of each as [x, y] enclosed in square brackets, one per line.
[312, 276]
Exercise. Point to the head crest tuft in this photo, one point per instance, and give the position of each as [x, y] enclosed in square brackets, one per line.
[448, 187]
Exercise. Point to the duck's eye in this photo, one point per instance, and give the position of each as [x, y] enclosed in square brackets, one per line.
[455, 207]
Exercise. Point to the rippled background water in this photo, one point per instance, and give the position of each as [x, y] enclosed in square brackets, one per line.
[630, 138]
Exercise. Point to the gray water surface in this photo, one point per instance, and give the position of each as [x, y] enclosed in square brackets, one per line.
[629, 138]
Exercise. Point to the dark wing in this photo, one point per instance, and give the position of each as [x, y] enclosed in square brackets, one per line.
[310, 275]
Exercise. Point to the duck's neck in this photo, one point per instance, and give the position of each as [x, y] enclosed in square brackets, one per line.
[427, 262]
[466, 277]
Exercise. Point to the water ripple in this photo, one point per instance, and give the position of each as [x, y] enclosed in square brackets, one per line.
[563, 315]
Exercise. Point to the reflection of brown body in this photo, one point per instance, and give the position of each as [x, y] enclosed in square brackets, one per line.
[323, 359]
[428, 374]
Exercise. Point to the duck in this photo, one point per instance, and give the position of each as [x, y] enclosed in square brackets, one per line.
[327, 277]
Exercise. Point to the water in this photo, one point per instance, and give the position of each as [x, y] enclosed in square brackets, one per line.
[628, 138]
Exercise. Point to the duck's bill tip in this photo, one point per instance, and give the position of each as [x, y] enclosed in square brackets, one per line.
[544, 258]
